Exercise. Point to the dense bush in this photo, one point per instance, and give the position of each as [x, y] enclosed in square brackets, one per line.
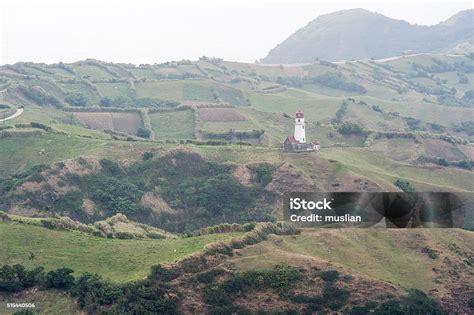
[404, 185]
[329, 276]
[16, 278]
[442, 162]
[61, 278]
[91, 291]
[147, 156]
[341, 112]
[112, 194]
[334, 297]
[234, 135]
[349, 128]
[143, 133]
[76, 99]
[466, 164]
[40, 126]
[278, 279]
[263, 173]
[209, 276]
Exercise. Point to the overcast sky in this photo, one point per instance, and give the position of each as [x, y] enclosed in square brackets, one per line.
[156, 31]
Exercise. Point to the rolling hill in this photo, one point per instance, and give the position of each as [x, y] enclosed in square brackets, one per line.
[361, 34]
[188, 144]
[360, 269]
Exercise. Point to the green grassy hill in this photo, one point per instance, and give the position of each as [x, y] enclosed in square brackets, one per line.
[372, 265]
[114, 259]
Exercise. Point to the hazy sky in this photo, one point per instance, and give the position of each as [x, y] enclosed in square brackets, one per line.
[156, 31]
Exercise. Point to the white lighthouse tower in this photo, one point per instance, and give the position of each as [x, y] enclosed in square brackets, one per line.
[299, 127]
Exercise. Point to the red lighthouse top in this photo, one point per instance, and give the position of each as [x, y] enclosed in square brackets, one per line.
[299, 114]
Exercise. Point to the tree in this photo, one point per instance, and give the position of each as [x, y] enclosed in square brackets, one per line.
[76, 99]
[143, 132]
[60, 278]
[404, 185]
[147, 156]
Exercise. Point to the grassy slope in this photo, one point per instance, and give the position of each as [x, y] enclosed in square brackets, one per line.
[173, 125]
[383, 169]
[117, 260]
[22, 153]
[393, 256]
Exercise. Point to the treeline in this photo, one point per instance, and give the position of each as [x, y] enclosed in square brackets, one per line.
[235, 135]
[335, 80]
[94, 294]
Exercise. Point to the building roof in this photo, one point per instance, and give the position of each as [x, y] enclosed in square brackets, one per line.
[292, 140]
[299, 114]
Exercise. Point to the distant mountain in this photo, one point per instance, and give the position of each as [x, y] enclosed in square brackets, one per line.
[359, 34]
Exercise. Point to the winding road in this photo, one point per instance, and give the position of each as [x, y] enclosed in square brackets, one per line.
[18, 112]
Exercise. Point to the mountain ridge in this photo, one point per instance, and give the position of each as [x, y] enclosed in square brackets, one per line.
[361, 34]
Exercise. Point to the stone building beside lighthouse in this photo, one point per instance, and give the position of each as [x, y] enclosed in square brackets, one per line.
[297, 142]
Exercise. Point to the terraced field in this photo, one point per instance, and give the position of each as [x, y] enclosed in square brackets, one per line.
[123, 122]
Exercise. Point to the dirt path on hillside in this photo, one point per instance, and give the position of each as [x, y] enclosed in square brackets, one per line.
[18, 112]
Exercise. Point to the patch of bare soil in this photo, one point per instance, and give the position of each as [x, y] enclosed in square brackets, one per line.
[329, 175]
[156, 203]
[288, 179]
[243, 174]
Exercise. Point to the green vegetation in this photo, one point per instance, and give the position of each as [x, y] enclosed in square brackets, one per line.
[76, 99]
[404, 185]
[173, 124]
[348, 128]
[220, 296]
[143, 132]
[114, 259]
[205, 190]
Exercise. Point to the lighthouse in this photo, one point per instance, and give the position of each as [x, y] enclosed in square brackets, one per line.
[297, 142]
[300, 134]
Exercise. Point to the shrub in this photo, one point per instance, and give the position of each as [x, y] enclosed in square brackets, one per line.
[147, 156]
[76, 99]
[404, 185]
[249, 226]
[60, 278]
[470, 303]
[41, 126]
[348, 128]
[329, 276]
[417, 302]
[91, 290]
[209, 276]
[442, 162]
[124, 235]
[154, 235]
[433, 254]
[158, 272]
[466, 164]
[264, 173]
[335, 297]
[143, 132]
[16, 278]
